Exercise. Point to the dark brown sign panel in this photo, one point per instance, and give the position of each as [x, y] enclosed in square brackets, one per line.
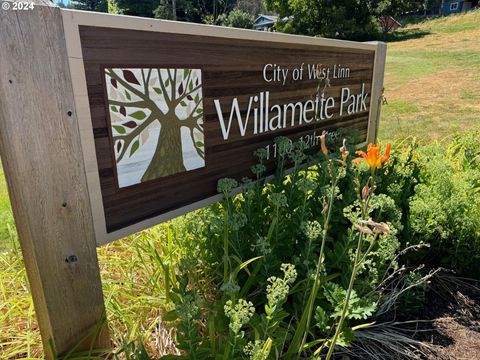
[172, 112]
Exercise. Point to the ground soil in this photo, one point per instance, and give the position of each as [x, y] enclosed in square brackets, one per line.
[454, 311]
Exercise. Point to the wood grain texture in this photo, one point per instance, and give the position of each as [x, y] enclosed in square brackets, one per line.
[42, 159]
[231, 68]
[377, 92]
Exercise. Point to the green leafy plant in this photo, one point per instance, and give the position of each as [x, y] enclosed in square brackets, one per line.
[445, 210]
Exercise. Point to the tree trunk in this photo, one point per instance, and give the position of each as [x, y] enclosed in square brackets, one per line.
[174, 10]
[168, 157]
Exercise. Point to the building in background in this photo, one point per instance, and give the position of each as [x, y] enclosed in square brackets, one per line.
[265, 22]
[455, 6]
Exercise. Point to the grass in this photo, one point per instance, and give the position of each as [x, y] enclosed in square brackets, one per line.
[6, 219]
[133, 286]
[433, 89]
[432, 81]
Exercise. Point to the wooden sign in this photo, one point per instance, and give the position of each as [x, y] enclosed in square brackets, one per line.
[167, 109]
[110, 124]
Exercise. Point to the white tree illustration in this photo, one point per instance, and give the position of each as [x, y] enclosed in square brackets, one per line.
[138, 98]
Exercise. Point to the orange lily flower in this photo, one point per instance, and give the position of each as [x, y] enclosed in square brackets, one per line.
[373, 157]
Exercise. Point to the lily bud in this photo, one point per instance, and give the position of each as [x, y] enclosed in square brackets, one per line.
[323, 146]
[365, 192]
[344, 151]
[364, 229]
[377, 228]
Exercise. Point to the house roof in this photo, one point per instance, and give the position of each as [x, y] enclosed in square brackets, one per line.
[265, 19]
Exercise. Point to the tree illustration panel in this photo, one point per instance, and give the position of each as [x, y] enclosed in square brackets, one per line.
[156, 117]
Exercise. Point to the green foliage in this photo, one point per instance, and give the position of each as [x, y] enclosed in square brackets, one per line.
[394, 8]
[237, 18]
[412, 300]
[90, 5]
[286, 224]
[136, 7]
[112, 7]
[324, 18]
[401, 175]
[334, 18]
[247, 278]
[358, 308]
[185, 10]
[252, 7]
[445, 210]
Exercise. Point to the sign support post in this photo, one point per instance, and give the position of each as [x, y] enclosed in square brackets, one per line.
[42, 159]
[377, 91]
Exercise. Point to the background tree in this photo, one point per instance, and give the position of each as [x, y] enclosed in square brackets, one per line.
[216, 8]
[143, 8]
[171, 97]
[112, 7]
[383, 9]
[239, 19]
[345, 19]
[182, 10]
[252, 7]
[90, 5]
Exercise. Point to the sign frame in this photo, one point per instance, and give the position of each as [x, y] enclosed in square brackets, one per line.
[73, 19]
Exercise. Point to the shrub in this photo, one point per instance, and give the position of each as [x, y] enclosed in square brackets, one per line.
[237, 18]
[445, 210]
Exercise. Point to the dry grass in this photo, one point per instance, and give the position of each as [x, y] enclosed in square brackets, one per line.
[133, 288]
[432, 83]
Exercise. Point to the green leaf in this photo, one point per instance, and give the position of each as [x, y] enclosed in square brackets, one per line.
[313, 343]
[167, 82]
[190, 86]
[197, 98]
[127, 94]
[139, 115]
[170, 316]
[199, 144]
[134, 148]
[183, 103]
[199, 111]
[175, 297]
[114, 108]
[362, 326]
[246, 263]
[157, 90]
[119, 129]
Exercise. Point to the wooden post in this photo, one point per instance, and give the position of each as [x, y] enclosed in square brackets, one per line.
[377, 91]
[44, 168]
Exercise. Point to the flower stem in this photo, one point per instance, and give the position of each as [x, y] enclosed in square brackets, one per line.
[316, 284]
[356, 265]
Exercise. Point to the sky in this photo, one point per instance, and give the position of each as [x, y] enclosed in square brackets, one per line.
[66, 2]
